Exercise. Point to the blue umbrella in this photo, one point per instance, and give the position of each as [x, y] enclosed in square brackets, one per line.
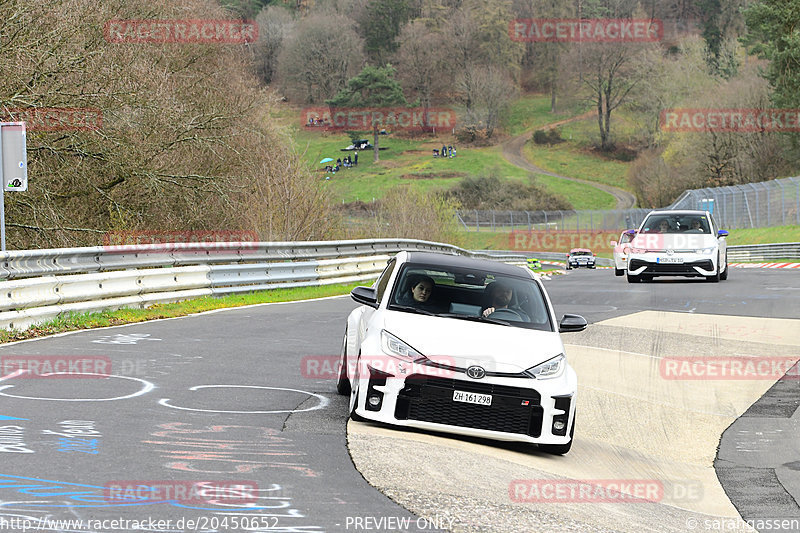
[326, 160]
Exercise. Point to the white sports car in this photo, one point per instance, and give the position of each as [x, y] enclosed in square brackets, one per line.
[460, 345]
[678, 243]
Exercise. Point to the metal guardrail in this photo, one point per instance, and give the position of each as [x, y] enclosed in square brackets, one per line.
[43, 284]
[764, 252]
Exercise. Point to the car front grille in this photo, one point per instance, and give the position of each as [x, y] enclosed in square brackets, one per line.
[430, 399]
[670, 268]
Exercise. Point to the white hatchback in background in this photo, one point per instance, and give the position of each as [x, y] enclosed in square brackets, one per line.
[621, 250]
[458, 360]
[678, 243]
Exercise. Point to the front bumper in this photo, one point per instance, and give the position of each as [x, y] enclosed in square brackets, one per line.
[522, 409]
[691, 265]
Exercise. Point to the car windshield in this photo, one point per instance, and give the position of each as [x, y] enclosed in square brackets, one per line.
[582, 252]
[465, 294]
[676, 223]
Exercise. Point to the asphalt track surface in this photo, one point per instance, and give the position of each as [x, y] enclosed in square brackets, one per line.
[230, 399]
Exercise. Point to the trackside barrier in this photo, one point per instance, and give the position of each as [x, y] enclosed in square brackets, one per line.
[40, 285]
[764, 252]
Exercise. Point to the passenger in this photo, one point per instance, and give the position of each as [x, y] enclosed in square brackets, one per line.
[419, 292]
[663, 226]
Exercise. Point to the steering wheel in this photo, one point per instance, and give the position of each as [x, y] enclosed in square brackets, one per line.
[505, 313]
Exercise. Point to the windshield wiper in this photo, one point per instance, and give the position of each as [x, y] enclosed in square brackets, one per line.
[412, 309]
[475, 318]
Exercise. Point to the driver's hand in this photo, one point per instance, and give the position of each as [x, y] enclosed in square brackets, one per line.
[488, 311]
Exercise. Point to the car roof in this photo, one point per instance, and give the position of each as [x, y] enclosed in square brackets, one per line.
[580, 250]
[448, 260]
[679, 212]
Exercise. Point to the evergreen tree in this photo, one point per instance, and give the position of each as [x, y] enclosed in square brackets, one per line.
[373, 87]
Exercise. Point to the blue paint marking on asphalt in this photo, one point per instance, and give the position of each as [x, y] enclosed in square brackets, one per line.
[91, 498]
[3, 417]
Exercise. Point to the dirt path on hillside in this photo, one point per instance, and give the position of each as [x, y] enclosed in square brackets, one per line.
[512, 151]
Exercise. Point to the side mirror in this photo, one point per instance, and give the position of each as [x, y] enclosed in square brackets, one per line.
[722, 233]
[365, 295]
[571, 323]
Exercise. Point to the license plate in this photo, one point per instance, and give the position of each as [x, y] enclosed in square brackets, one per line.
[669, 260]
[472, 397]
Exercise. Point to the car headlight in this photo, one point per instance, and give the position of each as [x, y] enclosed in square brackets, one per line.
[393, 346]
[552, 368]
[705, 251]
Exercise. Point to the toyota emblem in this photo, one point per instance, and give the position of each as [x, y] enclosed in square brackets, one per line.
[476, 372]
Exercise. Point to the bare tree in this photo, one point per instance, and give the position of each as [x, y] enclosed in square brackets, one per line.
[489, 90]
[184, 138]
[275, 24]
[319, 57]
[418, 61]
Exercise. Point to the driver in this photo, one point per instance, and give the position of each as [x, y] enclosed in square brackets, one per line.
[500, 297]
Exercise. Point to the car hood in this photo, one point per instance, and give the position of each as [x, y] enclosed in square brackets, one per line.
[677, 241]
[462, 343]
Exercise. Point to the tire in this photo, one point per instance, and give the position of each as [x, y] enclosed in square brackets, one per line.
[342, 380]
[633, 279]
[559, 449]
[724, 274]
[354, 398]
[619, 271]
[716, 277]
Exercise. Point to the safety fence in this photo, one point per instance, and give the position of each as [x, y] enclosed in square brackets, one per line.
[616, 220]
[40, 285]
[751, 205]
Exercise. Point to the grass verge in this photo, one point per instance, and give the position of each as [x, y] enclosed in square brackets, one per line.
[101, 319]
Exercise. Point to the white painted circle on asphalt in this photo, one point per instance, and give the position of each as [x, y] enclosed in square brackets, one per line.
[323, 401]
[144, 390]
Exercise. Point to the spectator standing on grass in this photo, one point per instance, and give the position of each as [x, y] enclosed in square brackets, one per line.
[355, 161]
[454, 151]
[443, 153]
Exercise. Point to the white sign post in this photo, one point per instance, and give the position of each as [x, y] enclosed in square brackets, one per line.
[13, 167]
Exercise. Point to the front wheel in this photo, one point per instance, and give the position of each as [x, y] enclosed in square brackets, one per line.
[633, 279]
[724, 274]
[715, 277]
[342, 381]
[619, 271]
[354, 396]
